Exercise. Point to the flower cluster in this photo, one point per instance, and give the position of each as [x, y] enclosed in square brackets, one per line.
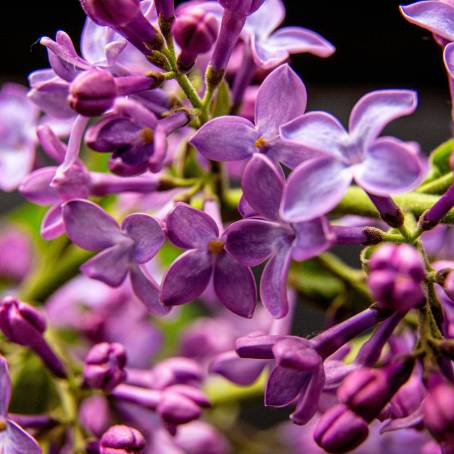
[200, 202]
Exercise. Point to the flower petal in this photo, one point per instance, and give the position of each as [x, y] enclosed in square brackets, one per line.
[147, 290]
[316, 132]
[14, 440]
[227, 138]
[273, 284]
[448, 56]
[435, 16]
[36, 187]
[52, 225]
[5, 387]
[15, 163]
[187, 278]
[89, 226]
[390, 166]
[281, 98]
[376, 109]
[252, 241]
[263, 185]
[314, 188]
[146, 233]
[312, 238]
[283, 386]
[266, 19]
[189, 228]
[110, 266]
[234, 285]
[257, 346]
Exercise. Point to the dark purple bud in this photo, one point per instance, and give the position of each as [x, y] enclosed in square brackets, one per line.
[445, 277]
[340, 430]
[367, 391]
[438, 411]
[388, 210]
[195, 31]
[434, 215]
[165, 8]
[396, 275]
[242, 7]
[92, 92]
[122, 440]
[24, 325]
[105, 366]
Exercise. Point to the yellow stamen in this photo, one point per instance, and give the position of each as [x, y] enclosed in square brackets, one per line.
[2, 425]
[216, 246]
[146, 134]
[260, 142]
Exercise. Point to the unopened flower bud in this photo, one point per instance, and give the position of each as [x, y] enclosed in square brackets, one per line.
[122, 440]
[92, 92]
[242, 7]
[396, 274]
[438, 411]
[105, 366]
[340, 430]
[111, 12]
[366, 391]
[195, 31]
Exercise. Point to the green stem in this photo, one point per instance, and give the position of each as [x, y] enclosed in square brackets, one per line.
[438, 186]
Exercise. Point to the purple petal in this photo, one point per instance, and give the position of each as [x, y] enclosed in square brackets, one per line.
[147, 235]
[241, 371]
[266, 19]
[312, 238]
[110, 266]
[411, 421]
[390, 166]
[376, 109]
[263, 185]
[281, 98]
[52, 225]
[226, 138]
[5, 387]
[252, 241]
[234, 285]
[147, 290]
[257, 346]
[273, 283]
[314, 188]
[288, 152]
[297, 354]
[189, 228]
[435, 16]
[316, 132]
[89, 226]
[14, 440]
[448, 56]
[283, 386]
[187, 278]
[15, 163]
[36, 187]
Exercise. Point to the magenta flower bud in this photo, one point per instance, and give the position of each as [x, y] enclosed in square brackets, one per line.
[24, 325]
[92, 92]
[105, 366]
[438, 411]
[122, 440]
[195, 31]
[396, 274]
[340, 430]
[242, 7]
[366, 391]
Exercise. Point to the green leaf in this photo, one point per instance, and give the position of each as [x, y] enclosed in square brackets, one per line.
[222, 104]
[439, 160]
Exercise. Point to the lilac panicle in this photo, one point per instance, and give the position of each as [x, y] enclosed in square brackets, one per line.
[267, 238]
[24, 325]
[105, 366]
[382, 166]
[13, 439]
[205, 259]
[396, 276]
[122, 439]
[281, 98]
[122, 251]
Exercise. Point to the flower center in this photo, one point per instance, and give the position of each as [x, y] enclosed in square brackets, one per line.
[216, 246]
[260, 142]
[2, 424]
[146, 134]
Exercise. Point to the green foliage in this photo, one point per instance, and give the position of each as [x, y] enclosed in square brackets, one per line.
[222, 104]
[439, 160]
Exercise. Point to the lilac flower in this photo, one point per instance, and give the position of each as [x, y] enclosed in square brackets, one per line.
[252, 241]
[382, 166]
[122, 251]
[19, 117]
[437, 16]
[122, 439]
[13, 439]
[205, 259]
[281, 98]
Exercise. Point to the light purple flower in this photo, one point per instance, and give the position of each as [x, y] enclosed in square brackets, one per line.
[381, 166]
[122, 251]
[282, 97]
[205, 259]
[255, 240]
[436, 16]
[19, 117]
[13, 439]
